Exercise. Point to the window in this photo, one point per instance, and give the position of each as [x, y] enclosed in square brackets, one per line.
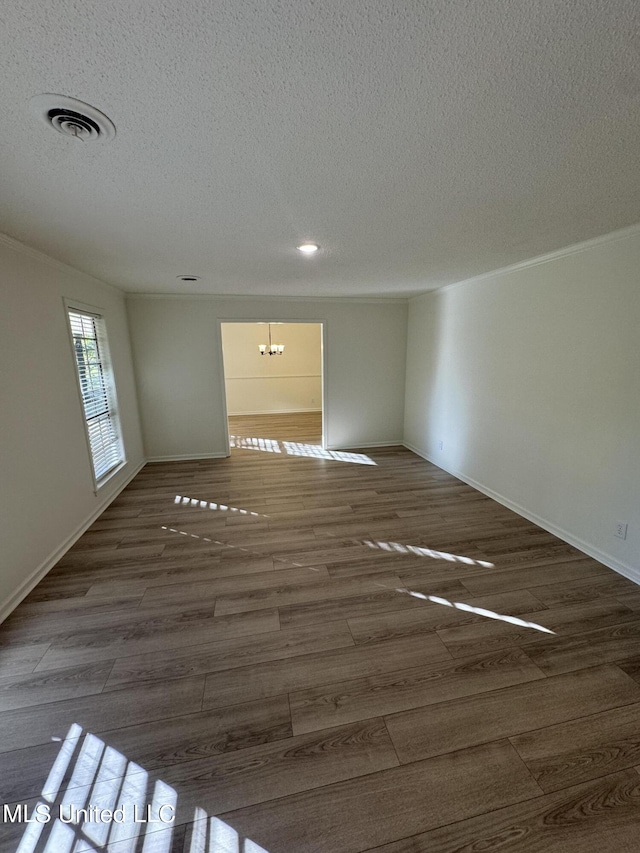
[95, 379]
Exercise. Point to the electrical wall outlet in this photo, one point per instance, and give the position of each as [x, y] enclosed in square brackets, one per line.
[621, 529]
[440, 445]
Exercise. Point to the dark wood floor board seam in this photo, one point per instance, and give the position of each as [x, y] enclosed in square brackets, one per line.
[356, 687]
[113, 663]
[173, 719]
[370, 665]
[387, 845]
[51, 673]
[272, 804]
[200, 660]
[526, 767]
[632, 700]
[498, 631]
[40, 658]
[365, 775]
[587, 643]
[580, 750]
[536, 729]
[64, 703]
[204, 687]
[351, 632]
[388, 733]
[289, 703]
[397, 845]
[173, 640]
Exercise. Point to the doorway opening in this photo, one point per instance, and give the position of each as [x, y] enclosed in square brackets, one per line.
[274, 385]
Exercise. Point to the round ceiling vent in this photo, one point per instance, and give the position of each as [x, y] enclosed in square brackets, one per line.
[73, 118]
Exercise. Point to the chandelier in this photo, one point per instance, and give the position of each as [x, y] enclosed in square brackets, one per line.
[271, 349]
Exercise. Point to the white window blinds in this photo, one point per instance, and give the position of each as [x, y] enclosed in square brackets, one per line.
[96, 387]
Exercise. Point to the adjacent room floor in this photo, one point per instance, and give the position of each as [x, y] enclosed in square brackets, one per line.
[296, 650]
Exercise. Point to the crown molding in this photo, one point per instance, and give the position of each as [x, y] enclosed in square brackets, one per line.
[269, 298]
[574, 249]
[36, 254]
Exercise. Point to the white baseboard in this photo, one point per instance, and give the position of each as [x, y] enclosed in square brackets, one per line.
[588, 548]
[398, 443]
[35, 577]
[273, 412]
[186, 457]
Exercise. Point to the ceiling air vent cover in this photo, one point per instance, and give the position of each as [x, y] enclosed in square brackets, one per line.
[73, 118]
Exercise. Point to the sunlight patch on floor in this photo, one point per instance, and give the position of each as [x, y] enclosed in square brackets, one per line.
[267, 445]
[424, 552]
[470, 608]
[289, 563]
[194, 502]
[107, 805]
[296, 448]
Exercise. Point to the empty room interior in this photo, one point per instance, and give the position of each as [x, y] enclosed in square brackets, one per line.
[320, 420]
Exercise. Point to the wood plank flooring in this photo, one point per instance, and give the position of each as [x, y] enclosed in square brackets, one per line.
[306, 651]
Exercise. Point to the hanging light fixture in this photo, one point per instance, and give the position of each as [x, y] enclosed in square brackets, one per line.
[271, 349]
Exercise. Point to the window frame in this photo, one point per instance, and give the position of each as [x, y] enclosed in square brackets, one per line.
[97, 314]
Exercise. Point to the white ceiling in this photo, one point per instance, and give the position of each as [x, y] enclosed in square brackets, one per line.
[420, 142]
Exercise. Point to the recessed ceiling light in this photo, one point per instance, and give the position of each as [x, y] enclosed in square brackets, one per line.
[308, 248]
[187, 277]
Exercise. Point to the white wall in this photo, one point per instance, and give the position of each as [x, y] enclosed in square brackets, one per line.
[531, 379]
[47, 496]
[177, 356]
[257, 384]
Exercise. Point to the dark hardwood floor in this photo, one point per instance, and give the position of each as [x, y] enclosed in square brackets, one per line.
[306, 651]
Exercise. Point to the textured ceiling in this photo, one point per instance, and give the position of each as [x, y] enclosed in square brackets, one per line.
[420, 142]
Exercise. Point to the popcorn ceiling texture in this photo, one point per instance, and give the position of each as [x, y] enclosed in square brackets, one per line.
[420, 143]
